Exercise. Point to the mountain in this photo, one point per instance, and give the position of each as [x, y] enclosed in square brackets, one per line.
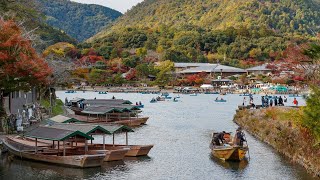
[80, 21]
[25, 12]
[239, 29]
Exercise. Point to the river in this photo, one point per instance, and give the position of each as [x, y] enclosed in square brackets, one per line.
[181, 132]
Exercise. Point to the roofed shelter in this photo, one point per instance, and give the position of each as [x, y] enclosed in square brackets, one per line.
[56, 134]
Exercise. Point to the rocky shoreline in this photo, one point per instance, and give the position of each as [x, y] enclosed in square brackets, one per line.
[278, 128]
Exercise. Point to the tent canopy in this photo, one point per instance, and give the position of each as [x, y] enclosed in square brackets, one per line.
[206, 86]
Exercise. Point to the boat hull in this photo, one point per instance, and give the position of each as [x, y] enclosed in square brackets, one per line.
[134, 150]
[81, 161]
[229, 153]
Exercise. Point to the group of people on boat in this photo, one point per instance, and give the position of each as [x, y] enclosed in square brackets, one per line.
[138, 103]
[219, 139]
[221, 99]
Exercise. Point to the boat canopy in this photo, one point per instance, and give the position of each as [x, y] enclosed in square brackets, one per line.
[117, 128]
[63, 119]
[93, 128]
[85, 128]
[106, 101]
[55, 134]
[100, 110]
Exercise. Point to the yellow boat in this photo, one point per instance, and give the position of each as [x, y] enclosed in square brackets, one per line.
[234, 153]
[228, 151]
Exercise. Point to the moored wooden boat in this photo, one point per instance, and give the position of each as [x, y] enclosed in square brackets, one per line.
[134, 150]
[53, 156]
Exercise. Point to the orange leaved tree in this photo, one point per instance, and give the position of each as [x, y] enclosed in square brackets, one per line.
[20, 66]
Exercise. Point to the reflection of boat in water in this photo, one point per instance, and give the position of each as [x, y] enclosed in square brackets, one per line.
[234, 165]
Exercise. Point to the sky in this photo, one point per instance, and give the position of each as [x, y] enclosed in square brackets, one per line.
[120, 5]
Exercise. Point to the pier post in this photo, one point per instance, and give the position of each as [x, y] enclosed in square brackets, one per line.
[36, 145]
[127, 138]
[64, 148]
[113, 139]
[104, 142]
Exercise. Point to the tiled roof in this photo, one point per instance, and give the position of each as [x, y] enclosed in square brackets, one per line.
[213, 68]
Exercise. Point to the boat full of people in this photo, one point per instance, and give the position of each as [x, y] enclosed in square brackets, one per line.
[226, 148]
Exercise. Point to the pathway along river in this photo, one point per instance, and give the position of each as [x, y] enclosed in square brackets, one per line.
[181, 132]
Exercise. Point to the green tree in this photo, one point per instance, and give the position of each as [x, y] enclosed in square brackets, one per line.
[312, 113]
[165, 69]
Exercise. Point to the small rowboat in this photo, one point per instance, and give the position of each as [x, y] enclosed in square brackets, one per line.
[294, 95]
[168, 97]
[153, 101]
[140, 106]
[220, 100]
[71, 91]
[234, 153]
[103, 92]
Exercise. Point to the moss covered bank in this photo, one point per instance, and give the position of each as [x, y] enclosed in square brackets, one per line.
[280, 128]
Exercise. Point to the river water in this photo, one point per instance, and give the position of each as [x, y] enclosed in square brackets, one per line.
[181, 132]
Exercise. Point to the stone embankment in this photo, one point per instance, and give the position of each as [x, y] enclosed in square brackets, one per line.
[280, 128]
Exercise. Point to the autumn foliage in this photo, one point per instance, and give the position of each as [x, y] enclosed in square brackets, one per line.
[20, 66]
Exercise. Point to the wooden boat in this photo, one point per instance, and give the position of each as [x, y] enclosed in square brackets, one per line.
[70, 91]
[235, 153]
[140, 106]
[294, 95]
[168, 97]
[220, 100]
[103, 92]
[70, 158]
[134, 150]
[228, 151]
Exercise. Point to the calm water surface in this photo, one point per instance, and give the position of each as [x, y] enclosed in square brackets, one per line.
[181, 132]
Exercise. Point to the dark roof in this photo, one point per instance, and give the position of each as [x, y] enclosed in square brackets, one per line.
[54, 134]
[91, 128]
[106, 101]
[75, 100]
[100, 110]
[85, 128]
[63, 119]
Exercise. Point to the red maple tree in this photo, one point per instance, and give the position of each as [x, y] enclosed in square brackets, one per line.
[20, 65]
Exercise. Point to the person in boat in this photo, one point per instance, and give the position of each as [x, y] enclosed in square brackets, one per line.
[174, 99]
[218, 139]
[158, 98]
[153, 99]
[217, 99]
[221, 99]
[113, 97]
[239, 137]
[137, 104]
[140, 103]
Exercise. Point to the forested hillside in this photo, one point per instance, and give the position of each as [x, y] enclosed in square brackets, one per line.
[80, 21]
[207, 30]
[25, 12]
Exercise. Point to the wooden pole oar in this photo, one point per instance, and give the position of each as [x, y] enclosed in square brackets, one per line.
[245, 138]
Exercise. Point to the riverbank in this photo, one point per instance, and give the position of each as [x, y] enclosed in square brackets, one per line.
[279, 127]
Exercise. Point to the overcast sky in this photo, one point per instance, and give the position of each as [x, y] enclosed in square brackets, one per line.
[120, 5]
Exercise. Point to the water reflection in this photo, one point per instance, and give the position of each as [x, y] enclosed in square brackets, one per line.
[232, 165]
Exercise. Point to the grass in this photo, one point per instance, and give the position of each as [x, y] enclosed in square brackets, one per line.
[57, 109]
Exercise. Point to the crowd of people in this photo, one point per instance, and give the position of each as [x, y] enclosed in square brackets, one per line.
[269, 101]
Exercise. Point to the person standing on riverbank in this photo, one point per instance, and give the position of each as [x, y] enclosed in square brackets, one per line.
[244, 101]
[295, 102]
[262, 101]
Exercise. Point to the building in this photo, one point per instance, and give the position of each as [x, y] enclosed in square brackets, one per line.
[212, 69]
[182, 66]
[16, 101]
[262, 69]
